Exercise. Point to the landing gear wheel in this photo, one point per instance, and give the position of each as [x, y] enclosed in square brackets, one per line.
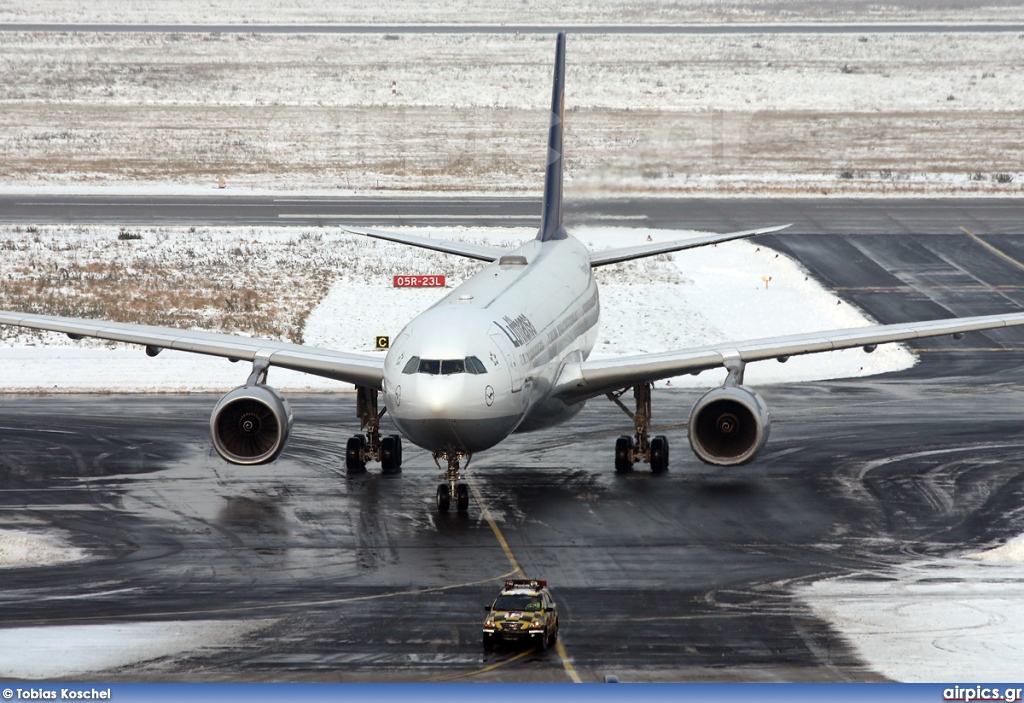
[391, 454]
[444, 498]
[659, 454]
[462, 498]
[623, 449]
[354, 463]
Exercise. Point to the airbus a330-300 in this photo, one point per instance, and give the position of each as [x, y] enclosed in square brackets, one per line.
[506, 351]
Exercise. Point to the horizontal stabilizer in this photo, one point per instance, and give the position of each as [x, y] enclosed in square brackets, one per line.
[480, 252]
[615, 256]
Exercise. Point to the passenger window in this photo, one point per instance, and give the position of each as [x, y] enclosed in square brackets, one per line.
[430, 366]
[412, 365]
[474, 365]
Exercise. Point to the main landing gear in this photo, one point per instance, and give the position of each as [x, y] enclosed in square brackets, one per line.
[452, 487]
[641, 447]
[371, 446]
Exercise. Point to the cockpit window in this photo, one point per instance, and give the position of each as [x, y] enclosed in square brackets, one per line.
[444, 367]
[450, 366]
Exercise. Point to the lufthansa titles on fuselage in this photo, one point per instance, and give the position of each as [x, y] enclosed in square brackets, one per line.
[519, 329]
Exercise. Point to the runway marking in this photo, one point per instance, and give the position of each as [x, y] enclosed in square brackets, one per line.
[411, 216]
[570, 670]
[34, 429]
[958, 350]
[993, 249]
[492, 667]
[258, 608]
[497, 532]
[911, 289]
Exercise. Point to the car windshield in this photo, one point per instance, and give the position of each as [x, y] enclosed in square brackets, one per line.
[523, 602]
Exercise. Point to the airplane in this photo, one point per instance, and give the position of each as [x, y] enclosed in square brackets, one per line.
[505, 351]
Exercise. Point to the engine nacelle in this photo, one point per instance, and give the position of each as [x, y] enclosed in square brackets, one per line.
[729, 426]
[250, 425]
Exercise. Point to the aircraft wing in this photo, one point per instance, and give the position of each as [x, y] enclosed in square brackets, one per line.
[582, 380]
[481, 252]
[615, 256]
[359, 369]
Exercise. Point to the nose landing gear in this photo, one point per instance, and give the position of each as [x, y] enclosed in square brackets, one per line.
[641, 447]
[371, 447]
[452, 486]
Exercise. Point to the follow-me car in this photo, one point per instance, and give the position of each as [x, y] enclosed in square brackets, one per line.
[506, 351]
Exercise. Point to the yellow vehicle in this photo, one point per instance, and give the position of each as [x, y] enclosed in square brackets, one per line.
[523, 613]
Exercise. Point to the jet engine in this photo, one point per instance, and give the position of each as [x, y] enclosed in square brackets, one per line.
[251, 424]
[728, 426]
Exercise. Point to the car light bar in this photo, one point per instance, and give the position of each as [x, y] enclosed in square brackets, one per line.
[525, 583]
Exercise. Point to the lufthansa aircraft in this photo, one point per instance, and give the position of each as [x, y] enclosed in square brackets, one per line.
[506, 351]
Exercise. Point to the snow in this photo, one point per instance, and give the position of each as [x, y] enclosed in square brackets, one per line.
[1011, 552]
[258, 12]
[692, 298]
[708, 114]
[931, 620]
[20, 548]
[73, 650]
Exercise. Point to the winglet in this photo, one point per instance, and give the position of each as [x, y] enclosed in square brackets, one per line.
[551, 211]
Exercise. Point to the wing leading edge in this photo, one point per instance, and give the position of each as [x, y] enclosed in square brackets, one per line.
[480, 252]
[359, 369]
[582, 380]
[615, 256]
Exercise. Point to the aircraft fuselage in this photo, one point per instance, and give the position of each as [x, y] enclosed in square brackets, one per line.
[480, 363]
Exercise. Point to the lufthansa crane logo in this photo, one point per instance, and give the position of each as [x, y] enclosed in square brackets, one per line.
[383, 341]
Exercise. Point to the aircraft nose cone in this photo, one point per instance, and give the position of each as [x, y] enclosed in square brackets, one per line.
[439, 413]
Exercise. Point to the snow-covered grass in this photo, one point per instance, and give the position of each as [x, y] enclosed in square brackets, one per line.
[501, 11]
[727, 114]
[932, 620]
[72, 650]
[335, 290]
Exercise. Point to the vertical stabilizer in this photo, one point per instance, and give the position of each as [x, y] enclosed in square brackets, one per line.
[551, 211]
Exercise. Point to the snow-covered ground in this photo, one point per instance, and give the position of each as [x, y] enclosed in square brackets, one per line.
[501, 11]
[73, 650]
[702, 296]
[953, 619]
[710, 114]
[35, 548]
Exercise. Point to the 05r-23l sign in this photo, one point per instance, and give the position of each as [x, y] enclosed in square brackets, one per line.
[430, 281]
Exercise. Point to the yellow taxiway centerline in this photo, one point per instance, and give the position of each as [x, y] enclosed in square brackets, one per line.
[570, 670]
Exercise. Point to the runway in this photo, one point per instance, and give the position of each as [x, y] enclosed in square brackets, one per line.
[681, 29]
[808, 215]
[687, 576]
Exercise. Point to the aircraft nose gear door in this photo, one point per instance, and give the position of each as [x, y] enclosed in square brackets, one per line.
[507, 358]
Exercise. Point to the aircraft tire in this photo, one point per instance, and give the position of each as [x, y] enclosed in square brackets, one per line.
[353, 455]
[391, 455]
[462, 498]
[659, 454]
[623, 447]
[444, 498]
